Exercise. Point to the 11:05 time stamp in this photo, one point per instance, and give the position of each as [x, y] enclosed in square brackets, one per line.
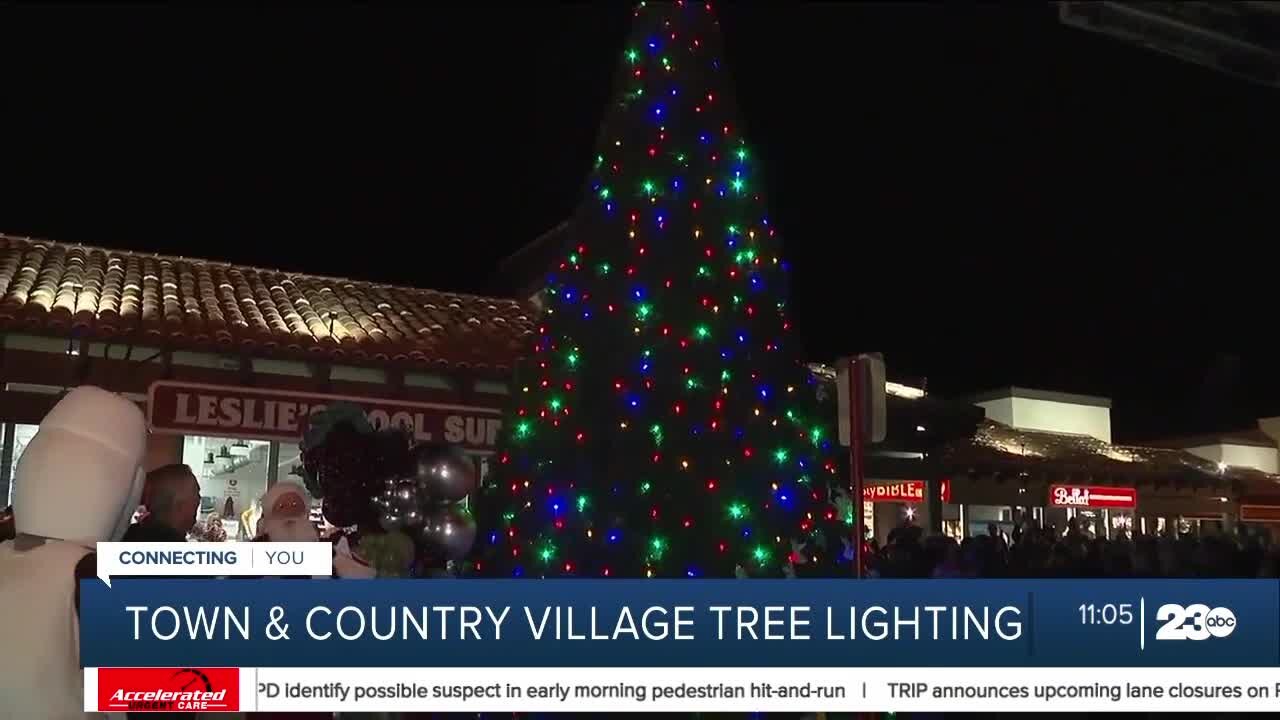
[1176, 622]
[1115, 614]
[1106, 614]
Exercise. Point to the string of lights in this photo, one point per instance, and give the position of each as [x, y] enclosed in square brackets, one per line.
[663, 426]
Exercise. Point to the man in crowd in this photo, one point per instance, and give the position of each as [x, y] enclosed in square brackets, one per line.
[172, 498]
[78, 483]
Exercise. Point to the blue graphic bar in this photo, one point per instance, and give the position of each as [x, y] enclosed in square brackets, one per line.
[680, 623]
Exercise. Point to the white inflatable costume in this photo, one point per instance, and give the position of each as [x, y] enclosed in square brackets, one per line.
[78, 482]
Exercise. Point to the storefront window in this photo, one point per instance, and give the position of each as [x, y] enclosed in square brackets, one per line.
[487, 464]
[980, 518]
[233, 474]
[1211, 527]
[1056, 517]
[953, 521]
[1121, 522]
[22, 435]
[1091, 522]
[289, 467]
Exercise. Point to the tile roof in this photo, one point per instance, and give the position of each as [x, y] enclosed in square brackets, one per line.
[996, 445]
[189, 303]
[1257, 486]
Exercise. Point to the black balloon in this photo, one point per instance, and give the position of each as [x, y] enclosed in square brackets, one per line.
[391, 452]
[450, 530]
[443, 473]
[339, 471]
[399, 505]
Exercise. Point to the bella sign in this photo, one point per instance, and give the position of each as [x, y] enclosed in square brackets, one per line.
[1092, 496]
[174, 407]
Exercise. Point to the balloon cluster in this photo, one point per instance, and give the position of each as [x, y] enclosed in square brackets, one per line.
[374, 478]
[424, 501]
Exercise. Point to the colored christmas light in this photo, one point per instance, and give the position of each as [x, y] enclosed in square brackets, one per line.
[624, 457]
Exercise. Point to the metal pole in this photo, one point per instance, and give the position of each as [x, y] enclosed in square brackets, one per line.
[855, 461]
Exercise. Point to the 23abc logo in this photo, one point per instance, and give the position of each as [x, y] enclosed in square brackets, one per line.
[1194, 622]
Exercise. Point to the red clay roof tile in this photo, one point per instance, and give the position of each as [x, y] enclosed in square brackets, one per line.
[195, 304]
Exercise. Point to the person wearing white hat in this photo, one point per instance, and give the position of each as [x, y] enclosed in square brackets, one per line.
[78, 482]
[286, 517]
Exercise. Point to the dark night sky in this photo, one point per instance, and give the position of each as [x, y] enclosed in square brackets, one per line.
[987, 196]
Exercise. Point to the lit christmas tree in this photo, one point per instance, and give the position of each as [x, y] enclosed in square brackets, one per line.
[663, 426]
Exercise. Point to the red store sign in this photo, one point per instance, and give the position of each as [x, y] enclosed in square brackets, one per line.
[909, 491]
[1260, 513]
[1092, 496]
[184, 408]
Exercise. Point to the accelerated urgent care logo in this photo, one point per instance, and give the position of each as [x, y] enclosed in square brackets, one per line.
[168, 689]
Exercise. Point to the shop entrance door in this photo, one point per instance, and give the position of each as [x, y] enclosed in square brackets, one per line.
[1091, 522]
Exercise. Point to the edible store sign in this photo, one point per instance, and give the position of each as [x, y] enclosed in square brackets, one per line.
[187, 408]
[910, 491]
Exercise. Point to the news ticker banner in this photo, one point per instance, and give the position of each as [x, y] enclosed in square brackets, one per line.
[679, 689]
[300, 623]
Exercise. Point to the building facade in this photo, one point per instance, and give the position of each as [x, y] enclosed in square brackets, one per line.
[228, 361]
[1049, 457]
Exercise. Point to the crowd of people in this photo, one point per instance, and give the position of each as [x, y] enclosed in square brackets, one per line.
[1050, 552]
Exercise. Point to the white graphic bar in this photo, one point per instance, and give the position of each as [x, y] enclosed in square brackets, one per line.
[1117, 498]
[179, 559]
[596, 689]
